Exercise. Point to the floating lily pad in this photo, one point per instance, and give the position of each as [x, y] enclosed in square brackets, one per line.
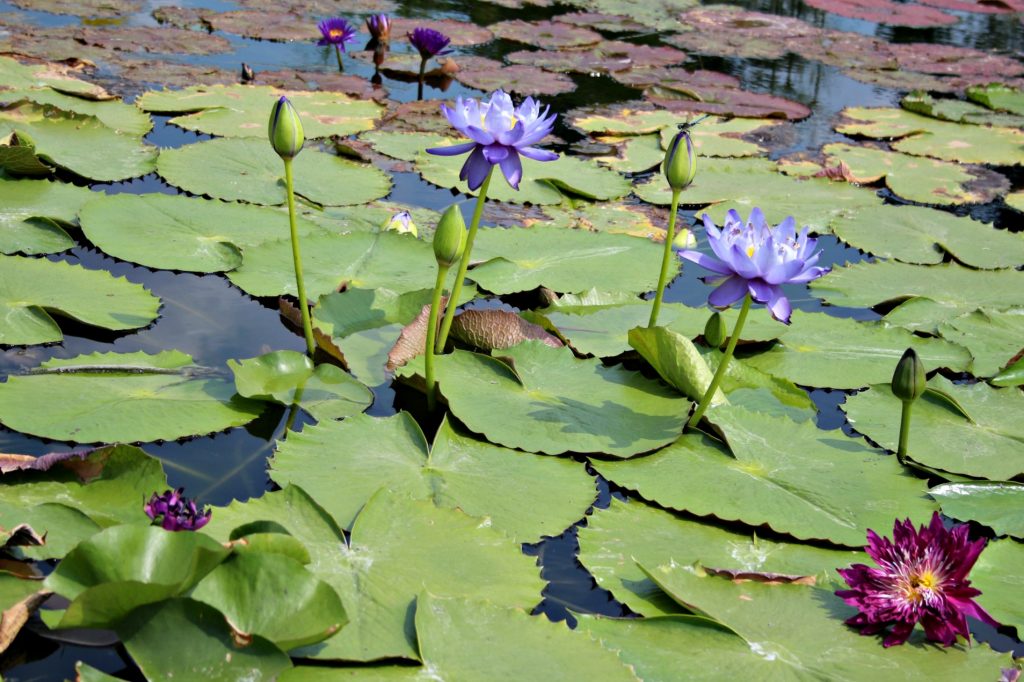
[833, 352]
[331, 462]
[461, 32]
[676, 360]
[242, 110]
[921, 235]
[1000, 505]
[325, 391]
[564, 260]
[612, 217]
[545, 34]
[262, 25]
[15, 75]
[993, 338]
[32, 212]
[794, 477]
[575, 405]
[30, 287]
[1015, 200]
[986, 445]
[998, 575]
[199, 235]
[489, 75]
[140, 397]
[886, 12]
[365, 260]
[610, 55]
[249, 170]
[927, 181]
[56, 527]
[616, 538]
[999, 97]
[163, 40]
[114, 114]
[725, 101]
[958, 111]
[661, 14]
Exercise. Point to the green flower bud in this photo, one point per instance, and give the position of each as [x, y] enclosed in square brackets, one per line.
[680, 161]
[401, 222]
[285, 129]
[909, 381]
[684, 239]
[715, 332]
[450, 237]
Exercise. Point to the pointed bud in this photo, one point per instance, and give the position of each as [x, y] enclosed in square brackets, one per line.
[909, 381]
[450, 237]
[401, 222]
[680, 161]
[285, 129]
[684, 239]
[715, 332]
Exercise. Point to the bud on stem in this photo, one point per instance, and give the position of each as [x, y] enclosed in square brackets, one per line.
[680, 165]
[908, 383]
[450, 237]
[285, 129]
[715, 332]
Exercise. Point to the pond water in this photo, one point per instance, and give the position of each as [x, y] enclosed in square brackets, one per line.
[208, 318]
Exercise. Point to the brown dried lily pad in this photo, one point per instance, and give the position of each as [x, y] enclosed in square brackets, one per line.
[489, 75]
[885, 12]
[412, 341]
[323, 81]
[262, 25]
[170, 74]
[599, 21]
[545, 34]
[611, 55]
[727, 102]
[92, 9]
[461, 32]
[322, 8]
[165, 40]
[675, 77]
[496, 329]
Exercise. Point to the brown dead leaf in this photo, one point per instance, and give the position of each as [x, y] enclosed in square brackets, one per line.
[15, 617]
[413, 338]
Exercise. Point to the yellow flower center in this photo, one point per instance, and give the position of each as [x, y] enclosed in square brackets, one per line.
[750, 251]
[335, 33]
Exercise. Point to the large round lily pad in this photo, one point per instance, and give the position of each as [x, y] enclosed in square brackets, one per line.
[31, 212]
[573, 405]
[998, 505]
[126, 397]
[994, 338]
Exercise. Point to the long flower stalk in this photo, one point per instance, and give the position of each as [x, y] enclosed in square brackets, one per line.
[307, 325]
[428, 358]
[666, 259]
[722, 365]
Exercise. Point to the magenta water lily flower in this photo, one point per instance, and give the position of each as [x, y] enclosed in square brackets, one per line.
[498, 133]
[337, 32]
[921, 578]
[755, 258]
[429, 42]
[176, 512]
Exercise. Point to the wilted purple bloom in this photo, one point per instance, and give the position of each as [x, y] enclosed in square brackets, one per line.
[379, 26]
[499, 133]
[429, 42]
[753, 257]
[174, 511]
[337, 32]
[921, 578]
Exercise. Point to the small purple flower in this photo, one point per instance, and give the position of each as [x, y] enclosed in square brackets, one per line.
[921, 578]
[429, 42]
[498, 134]
[337, 32]
[174, 511]
[379, 26]
[758, 259]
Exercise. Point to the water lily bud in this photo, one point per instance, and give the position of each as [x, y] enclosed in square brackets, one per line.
[680, 161]
[450, 237]
[401, 222]
[909, 381]
[285, 129]
[715, 332]
[684, 239]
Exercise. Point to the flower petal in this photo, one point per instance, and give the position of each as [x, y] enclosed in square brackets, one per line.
[730, 291]
[537, 154]
[512, 168]
[453, 150]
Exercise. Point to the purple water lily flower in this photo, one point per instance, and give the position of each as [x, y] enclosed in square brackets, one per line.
[499, 133]
[429, 42]
[175, 512]
[754, 258]
[337, 32]
[921, 578]
[379, 26]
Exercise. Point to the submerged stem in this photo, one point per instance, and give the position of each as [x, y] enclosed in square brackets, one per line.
[666, 259]
[901, 449]
[453, 299]
[722, 365]
[307, 326]
[428, 351]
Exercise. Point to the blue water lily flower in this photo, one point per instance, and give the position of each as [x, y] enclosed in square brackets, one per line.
[337, 32]
[429, 42]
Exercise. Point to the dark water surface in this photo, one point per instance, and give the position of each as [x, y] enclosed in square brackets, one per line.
[213, 321]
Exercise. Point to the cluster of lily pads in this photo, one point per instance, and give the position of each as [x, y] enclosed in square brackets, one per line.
[393, 548]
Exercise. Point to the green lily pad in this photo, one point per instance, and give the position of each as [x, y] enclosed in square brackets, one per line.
[80, 144]
[993, 338]
[574, 405]
[285, 376]
[914, 234]
[798, 479]
[927, 181]
[32, 212]
[331, 462]
[30, 287]
[759, 391]
[801, 627]
[109, 397]
[676, 360]
[998, 505]
[626, 533]
[14, 75]
[1012, 375]
[114, 114]
[988, 445]
[924, 136]
[249, 170]
[958, 289]
[633, 154]
[835, 352]
[198, 235]
[998, 96]
[564, 261]
[60, 526]
[998, 575]
[365, 260]
[273, 596]
[958, 111]
[243, 110]
[1015, 200]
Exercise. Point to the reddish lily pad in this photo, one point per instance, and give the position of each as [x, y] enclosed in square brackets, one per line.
[292, 79]
[611, 55]
[885, 12]
[979, 6]
[323, 8]
[599, 21]
[147, 39]
[262, 25]
[93, 9]
[461, 32]
[727, 101]
[170, 74]
[734, 31]
[954, 60]
[676, 77]
[489, 75]
[545, 34]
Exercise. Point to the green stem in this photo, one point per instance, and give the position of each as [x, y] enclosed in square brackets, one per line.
[307, 326]
[453, 299]
[901, 450]
[423, 71]
[337, 51]
[723, 364]
[428, 358]
[666, 259]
